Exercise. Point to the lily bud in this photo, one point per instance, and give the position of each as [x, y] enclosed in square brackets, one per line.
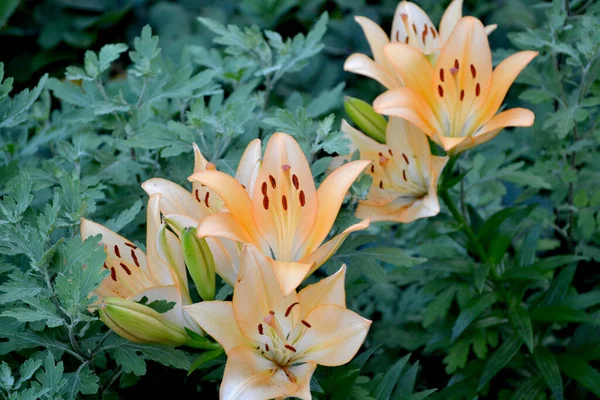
[200, 263]
[365, 118]
[139, 323]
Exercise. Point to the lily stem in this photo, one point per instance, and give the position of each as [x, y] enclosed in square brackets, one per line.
[464, 225]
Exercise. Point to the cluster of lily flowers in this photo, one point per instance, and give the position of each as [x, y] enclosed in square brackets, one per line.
[265, 230]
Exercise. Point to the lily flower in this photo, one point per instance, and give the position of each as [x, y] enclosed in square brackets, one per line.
[135, 275]
[405, 174]
[411, 26]
[275, 341]
[283, 215]
[183, 209]
[455, 102]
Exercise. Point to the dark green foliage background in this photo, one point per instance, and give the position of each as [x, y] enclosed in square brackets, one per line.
[517, 320]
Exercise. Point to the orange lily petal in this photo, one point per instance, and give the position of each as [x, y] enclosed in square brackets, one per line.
[503, 77]
[330, 196]
[250, 376]
[218, 320]
[451, 16]
[407, 104]
[158, 268]
[284, 202]
[327, 291]
[249, 165]
[335, 336]
[290, 274]
[362, 65]
[509, 118]
[414, 68]
[227, 258]
[208, 200]
[224, 225]
[324, 252]
[175, 199]
[234, 195]
[257, 294]
[412, 26]
[376, 37]
[303, 374]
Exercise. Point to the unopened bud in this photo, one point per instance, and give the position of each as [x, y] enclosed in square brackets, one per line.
[139, 323]
[365, 118]
[200, 263]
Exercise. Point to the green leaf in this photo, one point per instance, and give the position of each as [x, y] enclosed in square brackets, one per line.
[506, 231]
[203, 359]
[521, 322]
[108, 54]
[160, 306]
[40, 309]
[384, 389]
[499, 359]
[527, 251]
[529, 389]
[473, 310]
[124, 218]
[18, 338]
[132, 356]
[83, 381]
[6, 379]
[326, 101]
[439, 307]
[579, 370]
[558, 313]
[19, 287]
[51, 374]
[546, 364]
[7, 8]
[27, 369]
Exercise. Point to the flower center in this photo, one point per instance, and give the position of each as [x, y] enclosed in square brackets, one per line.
[280, 345]
[399, 173]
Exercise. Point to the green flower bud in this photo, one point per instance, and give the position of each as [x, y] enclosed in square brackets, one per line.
[139, 323]
[200, 263]
[365, 118]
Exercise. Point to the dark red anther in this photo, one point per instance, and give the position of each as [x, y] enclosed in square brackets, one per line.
[405, 158]
[477, 90]
[397, 36]
[117, 252]
[260, 329]
[462, 95]
[197, 196]
[105, 266]
[404, 175]
[306, 324]
[273, 182]
[267, 346]
[380, 184]
[442, 74]
[441, 90]
[372, 168]
[206, 199]
[135, 259]
[473, 71]
[302, 198]
[284, 202]
[414, 28]
[287, 346]
[289, 309]
[266, 202]
[125, 268]
[295, 181]
[263, 188]
[133, 246]
[456, 64]
[113, 274]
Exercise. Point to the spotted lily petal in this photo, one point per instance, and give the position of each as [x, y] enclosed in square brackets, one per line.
[218, 320]
[249, 376]
[334, 337]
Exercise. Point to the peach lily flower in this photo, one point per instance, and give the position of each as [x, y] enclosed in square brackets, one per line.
[275, 341]
[411, 26]
[455, 102]
[281, 212]
[405, 174]
[134, 274]
[182, 208]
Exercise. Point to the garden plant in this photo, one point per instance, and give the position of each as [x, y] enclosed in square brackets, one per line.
[328, 199]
